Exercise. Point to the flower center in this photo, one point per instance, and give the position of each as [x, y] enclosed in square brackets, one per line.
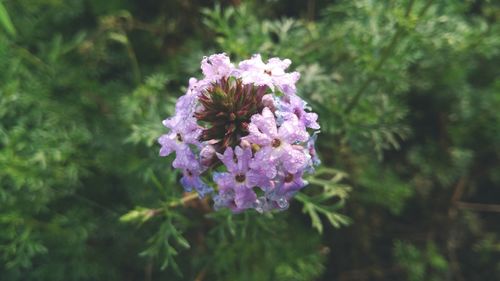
[297, 112]
[226, 110]
[276, 143]
[288, 178]
[239, 178]
[179, 137]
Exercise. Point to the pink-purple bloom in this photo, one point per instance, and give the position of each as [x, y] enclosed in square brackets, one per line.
[244, 132]
[272, 74]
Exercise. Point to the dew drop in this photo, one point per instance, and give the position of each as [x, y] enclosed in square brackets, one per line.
[283, 203]
[260, 204]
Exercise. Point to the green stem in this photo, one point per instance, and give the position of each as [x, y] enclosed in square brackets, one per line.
[174, 204]
[184, 200]
[30, 57]
[136, 71]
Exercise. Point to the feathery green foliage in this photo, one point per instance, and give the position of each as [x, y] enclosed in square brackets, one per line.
[407, 93]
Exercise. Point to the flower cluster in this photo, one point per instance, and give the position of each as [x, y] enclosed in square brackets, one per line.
[243, 130]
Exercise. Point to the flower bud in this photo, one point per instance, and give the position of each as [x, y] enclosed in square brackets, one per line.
[207, 156]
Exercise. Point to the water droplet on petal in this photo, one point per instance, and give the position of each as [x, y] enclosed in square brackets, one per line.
[283, 203]
[260, 204]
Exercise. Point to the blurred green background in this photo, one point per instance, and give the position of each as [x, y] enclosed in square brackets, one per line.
[408, 94]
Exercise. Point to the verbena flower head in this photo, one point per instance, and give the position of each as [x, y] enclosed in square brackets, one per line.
[243, 132]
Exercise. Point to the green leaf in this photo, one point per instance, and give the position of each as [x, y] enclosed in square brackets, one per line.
[138, 214]
[5, 21]
[332, 190]
[316, 221]
[118, 37]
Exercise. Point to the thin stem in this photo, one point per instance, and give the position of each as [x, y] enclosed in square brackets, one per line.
[479, 207]
[181, 202]
[184, 200]
[457, 195]
[93, 203]
[136, 71]
[311, 6]
[201, 275]
[30, 57]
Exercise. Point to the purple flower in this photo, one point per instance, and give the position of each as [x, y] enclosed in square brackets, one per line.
[226, 122]
[208, 155]
[182, 132]
[295, 106]
[287, 185]
[185, 159]
[186, 104]
[264, 166]
[236, 200]
[255, 71]
[216, 66]
[239, 178]
[276, 142]
[191, 171]
[191, 179]
[312, 149]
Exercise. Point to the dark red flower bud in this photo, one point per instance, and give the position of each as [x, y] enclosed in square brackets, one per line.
[226, 110]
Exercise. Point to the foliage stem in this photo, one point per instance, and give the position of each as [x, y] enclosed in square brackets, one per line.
[136, 71]
[184, 200]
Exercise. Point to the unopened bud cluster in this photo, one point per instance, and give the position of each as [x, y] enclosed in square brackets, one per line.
[243, 132]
